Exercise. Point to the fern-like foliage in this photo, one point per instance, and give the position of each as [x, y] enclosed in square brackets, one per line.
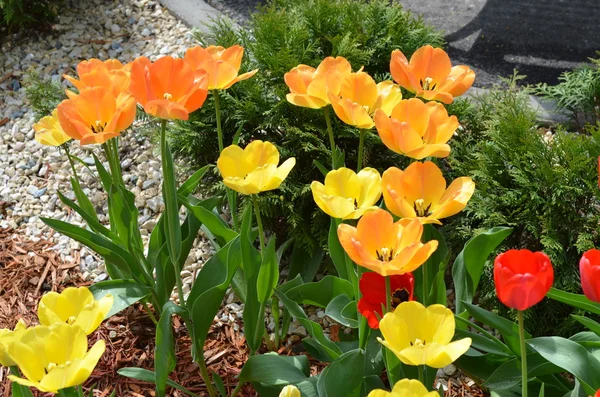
[26, 13]
[280, 36]
[43, 95]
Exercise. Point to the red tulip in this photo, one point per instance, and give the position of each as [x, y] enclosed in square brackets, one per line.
[597, 393]
[589, 267]
[372, 287]
[522, 278]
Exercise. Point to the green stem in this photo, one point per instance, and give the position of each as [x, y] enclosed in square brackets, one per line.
[237, 389]
[330, 132]
[150, 314]
[523, 354]
[425, 291]
[421, 376]
[275, 312]
[361, 149]
[75, 176]
[388, 294]
[218, 114]
[115, 144]
[285, 324]
[261, 232]
[206, 376]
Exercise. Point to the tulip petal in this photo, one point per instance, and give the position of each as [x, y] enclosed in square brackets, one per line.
[305, 101]
[395, 330]
[388, 96]
[347, 237]
[280, 174]
[442, 324]
[399, 69]
[334, 206]
[259, 154]
[376, 230]
[299, 78]
[359, 88]
[370, 187]
[230, 163]
[440, 356]
[429, 62]
[455, 198]
[350, 112]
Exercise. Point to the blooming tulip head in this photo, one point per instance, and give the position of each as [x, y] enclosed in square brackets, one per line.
[111, 74]
[589, 268]
[168, 88]
[48, 131]
[420, 335]
[346, 194]
[372, 288]
[416, 129]
[420, 192]
[253, 169]
[221, 64]
[54, 358]
[309, 86]
[383, 246]
[522, 278]
[96, 115]
[290, 391]
[359, 97]
[74, 306]
[7, 337]
[405, 388]
[430, 74]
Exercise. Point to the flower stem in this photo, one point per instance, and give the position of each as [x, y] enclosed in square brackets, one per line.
[421, 375]
[361, 149]
[218, 114]
[75, 176]
[275, 313]
[261, 231]
[425, 291]
[237, 389]
[388, 294]
[206, 376]
[330, 132]
[150, 314]
[523, 354]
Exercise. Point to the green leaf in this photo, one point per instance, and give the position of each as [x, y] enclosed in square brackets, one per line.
[192, 182]
[124, 216]
[268, 275]
[571, 357]
[148, 376]
[437, 292]
[83, 200]
[92, 221]
[169, 191]
[164, 352]
[344, 376]
[320, 167]
[105, 177]
[469, 264]
[588, 323]
[219, 385]
[322, 292]
[305, 263]
[508, 329]
[336, 251]
[212, 221]
[508, 374]
[482, 343]
[124, 292]
[334, 310]
[272, 369]
[328, 348]
[17, 389]
[432, 266]
[575, 300]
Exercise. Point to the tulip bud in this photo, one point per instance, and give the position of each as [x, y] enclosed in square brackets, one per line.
[589, 268]
[290, 391]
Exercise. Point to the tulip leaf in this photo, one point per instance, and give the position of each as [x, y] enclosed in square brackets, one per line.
[83, 200]
[588, 323]
[17, 389]
[192, 182]
[336, 251]
[575, 300]
[508, 374]
[322, 292]
[431, 267]
[124, 292]
[268, 274]
[305, 263]
[164, 352]
[350, 313]
[320, 167]
[148, 376]
[124, 215]
[334, 310]
[272, 369]
[169, 191]
[483, 343]
[469, 264]
[508, 329]
[571, 357]
[328, 348]
[209, 290]
[91, 221]
[105, 177]
[344, 376]
[211, 220]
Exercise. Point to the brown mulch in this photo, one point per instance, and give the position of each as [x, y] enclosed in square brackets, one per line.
[28, 270]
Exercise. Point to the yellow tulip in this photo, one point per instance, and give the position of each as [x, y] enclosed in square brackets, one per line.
[385, 247]
[346, 194]
[420, 192]
[48, 131]
[74, 306]
[420, 335]
[54, 358]
[254, 169]
[416, 129]
[360, 97]
[309, 86]
[7, 337]
[405, 388]
[290, 391]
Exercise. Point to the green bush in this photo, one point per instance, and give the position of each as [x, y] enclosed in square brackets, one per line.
[545, 188]
[280, 36]
[577, 94]
[19, 13]
[43, 95]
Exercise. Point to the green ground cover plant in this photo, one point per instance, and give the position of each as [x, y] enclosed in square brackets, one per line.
[26, 13]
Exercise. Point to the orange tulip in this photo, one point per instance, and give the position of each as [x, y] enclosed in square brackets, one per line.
[420, 192]
[96, 115]
[221, 64]
[360, 97]
[309, 86]
[430, 74]
[417, 129]
[168, 88]
[385, 247]
[95, 73]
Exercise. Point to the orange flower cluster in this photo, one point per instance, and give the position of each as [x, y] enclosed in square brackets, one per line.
[108, 92]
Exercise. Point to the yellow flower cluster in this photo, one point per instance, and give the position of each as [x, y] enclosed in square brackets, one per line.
[54, 355]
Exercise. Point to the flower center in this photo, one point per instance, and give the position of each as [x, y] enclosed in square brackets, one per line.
[98, 126]
[428, 84]
[167, 96]
[418, 342]
[400, 295]
[420, 209]
[71, 320]
[385, 254]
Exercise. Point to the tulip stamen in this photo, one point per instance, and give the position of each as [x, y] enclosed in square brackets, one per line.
[98, 127]
[50, 367]
[386, 254]
[418, 342]
[400, 295]
[428, 84]
[420, 209]
[71, 320]
[167, 96]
